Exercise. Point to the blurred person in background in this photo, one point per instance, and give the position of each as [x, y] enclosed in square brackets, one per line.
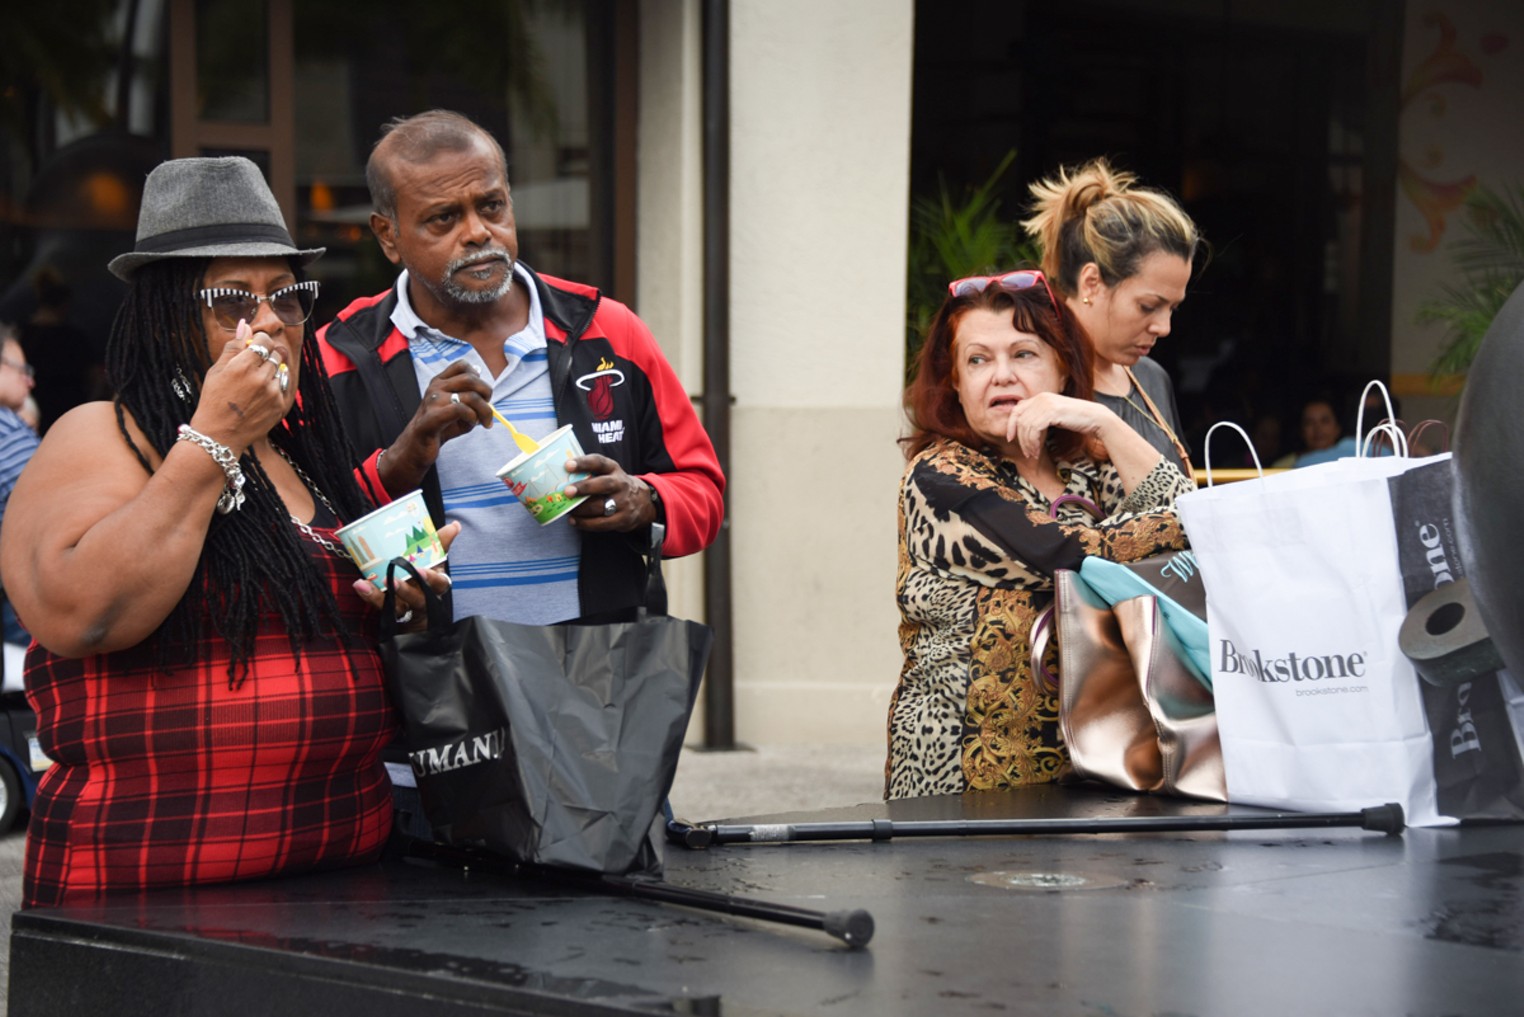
[1265, 435]
[1323, 437]
[18, 441]
[31, 413]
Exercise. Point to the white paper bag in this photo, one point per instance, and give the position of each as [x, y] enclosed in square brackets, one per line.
[1317, 708]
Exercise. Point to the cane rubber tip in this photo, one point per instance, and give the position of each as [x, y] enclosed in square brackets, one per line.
[1387, 819]
[853, 928]
[698, 837]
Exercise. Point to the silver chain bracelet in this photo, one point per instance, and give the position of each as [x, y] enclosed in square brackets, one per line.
[232, 494]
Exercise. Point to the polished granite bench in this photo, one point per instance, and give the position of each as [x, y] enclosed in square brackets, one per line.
[1283, 922]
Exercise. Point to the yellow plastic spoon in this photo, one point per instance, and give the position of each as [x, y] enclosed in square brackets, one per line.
[522, 440]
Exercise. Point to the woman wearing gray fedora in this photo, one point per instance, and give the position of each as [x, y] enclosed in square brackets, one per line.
[204, 674]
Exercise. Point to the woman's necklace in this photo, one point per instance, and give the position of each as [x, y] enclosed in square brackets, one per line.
[1130, 401]
[1125, 394]
[1153, 414]
[317, 492]
[1115, 381]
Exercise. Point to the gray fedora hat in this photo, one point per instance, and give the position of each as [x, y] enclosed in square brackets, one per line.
[208, 208]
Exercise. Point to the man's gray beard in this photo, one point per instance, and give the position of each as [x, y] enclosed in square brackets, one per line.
[461, 295]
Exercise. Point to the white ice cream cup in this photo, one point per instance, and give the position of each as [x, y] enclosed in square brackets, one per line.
[538, 479]
[402, 529]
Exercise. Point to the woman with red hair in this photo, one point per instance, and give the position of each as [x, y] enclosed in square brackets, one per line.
[1003, 432]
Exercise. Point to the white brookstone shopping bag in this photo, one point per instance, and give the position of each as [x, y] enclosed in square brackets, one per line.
[1317, 708]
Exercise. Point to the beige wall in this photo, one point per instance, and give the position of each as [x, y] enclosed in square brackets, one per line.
[669, 219]
[820, 112]
[1460, 125]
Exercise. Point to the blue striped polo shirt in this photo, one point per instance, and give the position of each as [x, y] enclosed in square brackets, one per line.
[17, 443]
[504, 564]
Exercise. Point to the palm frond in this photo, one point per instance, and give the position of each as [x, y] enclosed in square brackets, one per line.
[1490, 259]
[954, 235]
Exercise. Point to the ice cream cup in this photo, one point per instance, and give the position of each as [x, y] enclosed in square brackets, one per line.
[538, 479]
[402, 529]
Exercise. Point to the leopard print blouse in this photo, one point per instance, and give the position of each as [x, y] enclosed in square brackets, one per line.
[978, 549]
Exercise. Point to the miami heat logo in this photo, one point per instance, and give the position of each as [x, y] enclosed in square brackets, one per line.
[597, 385]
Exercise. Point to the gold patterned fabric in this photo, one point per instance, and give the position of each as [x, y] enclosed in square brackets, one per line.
[978, 549]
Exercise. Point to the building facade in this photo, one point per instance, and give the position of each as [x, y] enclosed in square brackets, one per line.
[839, 113]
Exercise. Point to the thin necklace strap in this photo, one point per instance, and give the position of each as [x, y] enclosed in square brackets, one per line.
[320, 540]
[317, 492]
[1153, 411]
[301, 474]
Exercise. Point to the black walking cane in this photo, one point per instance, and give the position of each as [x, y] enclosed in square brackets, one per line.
[854, 927]
[1386, 819]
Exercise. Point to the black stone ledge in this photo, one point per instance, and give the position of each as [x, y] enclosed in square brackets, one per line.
[1248, 922]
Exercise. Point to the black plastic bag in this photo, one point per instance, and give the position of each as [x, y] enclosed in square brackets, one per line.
[551, 744]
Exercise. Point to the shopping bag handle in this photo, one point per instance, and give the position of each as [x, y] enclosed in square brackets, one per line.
[1422, 426]
[1042, 634]
[653, 595]
[1042, 625]
[1394, 436]
[1074, 499]
[1206, 447]
[1389, 425]
[440, 618]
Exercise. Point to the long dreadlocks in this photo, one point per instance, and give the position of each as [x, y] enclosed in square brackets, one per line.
[253, 558]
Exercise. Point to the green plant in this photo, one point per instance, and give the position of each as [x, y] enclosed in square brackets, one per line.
[1491, 262]
[952, 236]
[60, 52]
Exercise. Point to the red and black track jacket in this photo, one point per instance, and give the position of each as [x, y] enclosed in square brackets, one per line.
[609, 380]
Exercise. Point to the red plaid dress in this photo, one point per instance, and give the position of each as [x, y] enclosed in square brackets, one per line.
[170, 779]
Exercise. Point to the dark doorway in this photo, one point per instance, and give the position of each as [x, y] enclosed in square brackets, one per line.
[1273, 123]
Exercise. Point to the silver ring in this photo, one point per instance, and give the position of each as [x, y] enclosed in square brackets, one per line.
[609, 507]
[455, 398]
[284, 374]
[262, 352]
[405, 617]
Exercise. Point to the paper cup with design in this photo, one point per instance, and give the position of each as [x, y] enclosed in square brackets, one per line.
[402, 529]
[538, 479]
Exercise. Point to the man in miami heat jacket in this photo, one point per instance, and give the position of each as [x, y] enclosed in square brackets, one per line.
[418, 370]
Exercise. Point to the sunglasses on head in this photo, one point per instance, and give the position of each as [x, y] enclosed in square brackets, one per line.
[1011, 282]
[291, 304]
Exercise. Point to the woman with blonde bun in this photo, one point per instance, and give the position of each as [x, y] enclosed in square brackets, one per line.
[1119, 256]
